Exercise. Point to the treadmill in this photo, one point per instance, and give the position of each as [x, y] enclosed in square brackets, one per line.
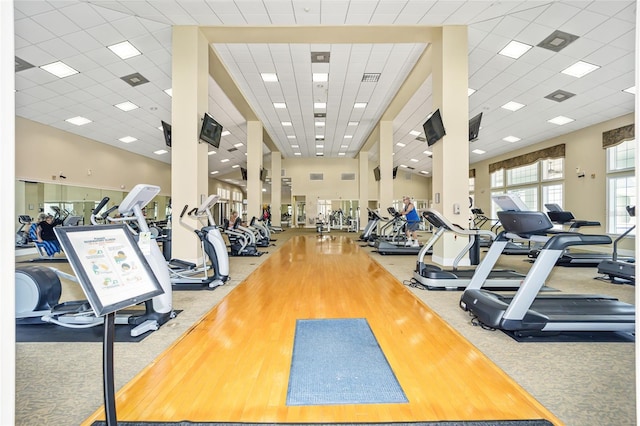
[620, 271]
[395, 243]
[528, 314]
[369, 232]
[435, 278]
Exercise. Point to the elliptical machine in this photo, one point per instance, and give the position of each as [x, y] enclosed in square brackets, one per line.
[183, 274]
[38, 288]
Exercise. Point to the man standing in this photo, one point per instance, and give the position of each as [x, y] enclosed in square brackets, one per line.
[413, 221]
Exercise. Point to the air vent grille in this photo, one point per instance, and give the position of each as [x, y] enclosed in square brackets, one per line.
[370, 77]
[348, 176]
[320, 57]
[232, 149]
[560, 95]
[316, 176]
[557, 41]
[421, 138]
[135, 79]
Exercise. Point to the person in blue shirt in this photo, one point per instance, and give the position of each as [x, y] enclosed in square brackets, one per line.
[413, 221]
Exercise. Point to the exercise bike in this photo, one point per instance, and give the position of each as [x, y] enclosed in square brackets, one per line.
[38, 288]
[184, 275]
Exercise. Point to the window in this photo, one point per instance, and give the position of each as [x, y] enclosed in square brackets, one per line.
[522, 175]
[621, 186]
[497, 179]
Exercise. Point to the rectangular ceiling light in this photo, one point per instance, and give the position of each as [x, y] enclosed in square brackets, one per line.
[286, 124]
[225, 133]
[279, 105]
[211, 152]
[511, 139]
[78, 121]
[320, 105]
[348, 136]
[400, 144]
[413, 160]
[160, 151]
[353, 123]
[320, 123]
[215, 172]
[128, 139]
[291, 136]
[478, 151]
[169, 91]
[224, 160]
[512, 106]
[319, 77]
[269, 77]
[515, 49]
[59, 69]
[560, 120]
[580, 69]
[360, 105]
[631, 90]
[124, 50]
[470, 91]
[126, 106]
[429, 153]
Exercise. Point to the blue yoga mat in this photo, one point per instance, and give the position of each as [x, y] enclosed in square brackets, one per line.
[339, 361]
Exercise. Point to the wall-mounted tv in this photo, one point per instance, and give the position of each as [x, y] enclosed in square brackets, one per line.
[474, 127]
[395, 171]
[263, 174]
[433, 128]
[243, 172]
[376, 173]
[211, 131]
[166, 129]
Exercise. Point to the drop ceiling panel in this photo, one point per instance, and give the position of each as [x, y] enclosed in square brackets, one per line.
[609, 30]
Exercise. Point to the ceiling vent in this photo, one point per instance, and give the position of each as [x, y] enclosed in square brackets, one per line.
[22, 65]
[557, 41]
[421, 138]
[411, 168]
[370, 77]
[135, 79]
[319, 115]
[320, 57]
[232, 149]
[316, 176]
[560, 95]
[348, 176]
[319, 139]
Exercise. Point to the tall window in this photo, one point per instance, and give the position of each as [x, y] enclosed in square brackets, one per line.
[621, 186]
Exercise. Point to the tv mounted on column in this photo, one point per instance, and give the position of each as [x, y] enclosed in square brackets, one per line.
[474, 127]
[211, 131]
[166, 129]
[434, 128]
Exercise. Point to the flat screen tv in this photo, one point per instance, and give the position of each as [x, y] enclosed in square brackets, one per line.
[166, 129]
[376, 173]
[243, 172]
[211, 131]
[433, 128]
[395, 171]
[263, 175]
[474, 127]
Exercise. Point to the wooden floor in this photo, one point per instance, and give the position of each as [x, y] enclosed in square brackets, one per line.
[234, 364]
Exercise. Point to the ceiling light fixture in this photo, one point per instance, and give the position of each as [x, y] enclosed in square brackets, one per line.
[286, 124]
[215, 172]
[400, 144]
[319, 77]
[59, 69]
[269, 77]
[124, 50]
[160, 151]
[279, 105]
[580, 69]
[78, 121]
[429, 153]
[470, 91]
[238, 145]
[360, 105]
[413, 160]
[291, 136]
[127, 106]
[348, 136]
[631, 90]
[169, 91]
[478, 151]
[224, 160]
[320, 105]
[211, 152]
[511, 139]
[225, 133]
[127, 139]
[561, 120]
[515, 49]
[512, 106]
[424, 172]
[353, 123]
[341, 154]
[415, 133]
[319, 123]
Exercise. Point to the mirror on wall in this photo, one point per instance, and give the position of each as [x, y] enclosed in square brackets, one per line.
[74, 204]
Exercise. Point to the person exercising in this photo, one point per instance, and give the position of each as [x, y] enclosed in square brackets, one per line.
[413, 221]
[44, 231]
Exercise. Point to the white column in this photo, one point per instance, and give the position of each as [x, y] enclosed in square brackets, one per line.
[254, 163]
[386, 165]
[363, 192]
[276, 188]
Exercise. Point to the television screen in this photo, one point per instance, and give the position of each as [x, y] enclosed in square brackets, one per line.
[433, 128]
[243, 172]
[263, 174]
[211, 131]
[395, 171]
[474, 127]
[166, 129]
[376, 173]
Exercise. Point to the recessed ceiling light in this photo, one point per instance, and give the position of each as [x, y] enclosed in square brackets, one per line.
[269, 77]
[238, 145]
[401, 145]
[128, 139]
[427, 152]
[341, 153]
[225, 133]
[424, 172]
[560, 120]
[319, 146]
[124, 50]
[344, 146]
[415, 133]
[160, 151]
[511, 139]
[78, 121]
[59, 69]
[286, 124]
[515, 49]
[631, 90]
[235, 166]
[470, 91]
[348, 136]
[320, 105]
[413, 160]
[403, 165]
[279, 105]
[512, 106]
[353, 123]
[291, 136]
[360, 105]
[319, 123]
[224, 160]
[319, 154]
[296, 153]
[580, 69]
[211, 152]
[320, 77]
[319, 137]
[478, 151]
[215, 172]
[295, 146]
[168, 91]
[127, 106]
